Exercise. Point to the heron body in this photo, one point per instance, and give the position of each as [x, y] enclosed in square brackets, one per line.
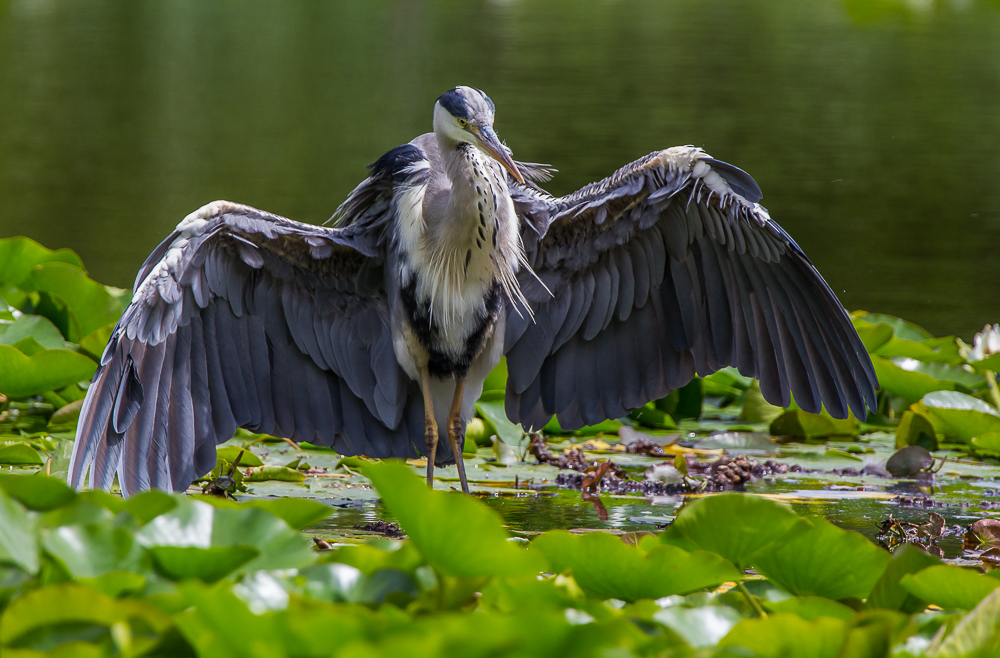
[375, 336]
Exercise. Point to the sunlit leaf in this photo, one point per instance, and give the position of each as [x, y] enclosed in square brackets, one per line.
[964, 415]
[37, 492]
[888, 593]
[247, 458]
[92, 303]
[22, 375]
[457, 534]
[916, 429]
[605, 566]
[19, 454]
[206, 564]
[280, 473]
[297, 512]
[799, 423]
[37, 327]
[737, 526]
[18, 543]
[784, 635]
[700, 627]
[949, 586]
[824, 561]
[19, 255]
[975, 634]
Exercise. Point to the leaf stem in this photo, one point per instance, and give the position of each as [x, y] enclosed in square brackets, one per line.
[752, 599]
[991, 381]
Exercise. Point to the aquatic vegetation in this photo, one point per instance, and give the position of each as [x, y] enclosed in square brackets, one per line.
[683, 574]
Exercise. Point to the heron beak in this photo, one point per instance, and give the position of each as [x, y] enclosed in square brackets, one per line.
[490, 143]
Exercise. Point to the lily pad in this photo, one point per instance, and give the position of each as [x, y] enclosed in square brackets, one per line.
[20, 454]
[799, 423]
[605, 566]
[22, 376]
[912, 379]
[888, 593]
[93, 304]
[963, 414]
[37, 492]
[784, 634]
[949, 586]
[18, 542]
[19, 255]
[457, 534]
[916, 429]
[40, 328]
[976, 634]
[737, 526]
[206, 564]
[824, 561]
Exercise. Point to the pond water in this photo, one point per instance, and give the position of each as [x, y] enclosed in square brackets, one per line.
[873, 126]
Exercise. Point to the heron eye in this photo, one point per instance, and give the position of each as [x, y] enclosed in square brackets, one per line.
[463, 123]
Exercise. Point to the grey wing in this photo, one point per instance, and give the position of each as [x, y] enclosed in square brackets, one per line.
[241, 318]
[666, 269]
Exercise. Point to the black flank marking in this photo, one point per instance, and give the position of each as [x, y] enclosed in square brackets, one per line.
[468, 257]
[439, 363]
[479, 243]
[482, 236]
[494, 239]
[482, 219]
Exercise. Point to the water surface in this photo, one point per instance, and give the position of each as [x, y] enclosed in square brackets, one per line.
[872, 127]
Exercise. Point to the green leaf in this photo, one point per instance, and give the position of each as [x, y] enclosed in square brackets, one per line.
[22, 376]
[799, 423]
[964, 415]
[280, 473]
[916, 429]
[492, 412]
[987, 441]
[206, 564]
[72, 604]
[992, 363]
[229, 453]
[738, 526]
[756, 409]
[700, 627]
[92, 550]
[299, 513]
[824, 561]
[650, 416]
[37, 492]
[783, 635]
[975, 634]
[18, 543]
[93, 304]
[949, 586]
[19, 255]
[810, 607]
[888, 593]
[458, 535]
[20, 454]
[605, 566]
[40, 328]
[900, 327]
[193, 523]
[910, 379]
[95, 342]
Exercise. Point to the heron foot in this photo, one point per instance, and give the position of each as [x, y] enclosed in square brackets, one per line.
[430, 425]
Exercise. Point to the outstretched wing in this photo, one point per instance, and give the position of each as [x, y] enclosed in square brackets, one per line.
[241, 318]
[666, 269]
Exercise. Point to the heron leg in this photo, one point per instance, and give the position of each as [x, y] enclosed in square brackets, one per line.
[430, 425]
[455, 426]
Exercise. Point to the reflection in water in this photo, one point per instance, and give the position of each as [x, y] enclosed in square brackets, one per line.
[872, 128]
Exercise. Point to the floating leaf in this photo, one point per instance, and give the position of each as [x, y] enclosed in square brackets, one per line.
[22, 375]
[280, 473]
[824, 561]
[605, 566]
[963, 414]
[20, 454]
[799, 423]
[247, 458]
[949, 586]
[783, 634]
[491, 410]
[206, 564]
[37, 492]
[37, 327]
[916, 429]
[19, 255]
[975, 634]
[737, 526]
[18, 544]
[457, 534]
[93, 304]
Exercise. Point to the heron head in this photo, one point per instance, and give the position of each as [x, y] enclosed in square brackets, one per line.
[465, 114]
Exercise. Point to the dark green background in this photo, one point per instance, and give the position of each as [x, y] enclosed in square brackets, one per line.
[873, 127]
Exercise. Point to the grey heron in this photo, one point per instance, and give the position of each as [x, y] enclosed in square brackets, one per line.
[374, 336]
